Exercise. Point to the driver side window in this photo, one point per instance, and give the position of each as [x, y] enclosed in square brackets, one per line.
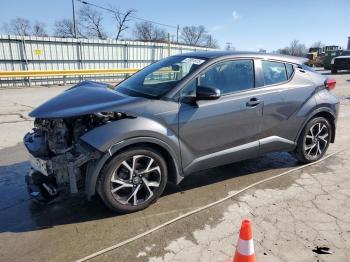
[230, 76]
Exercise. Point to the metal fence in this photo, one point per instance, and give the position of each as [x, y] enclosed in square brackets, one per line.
[51, 53]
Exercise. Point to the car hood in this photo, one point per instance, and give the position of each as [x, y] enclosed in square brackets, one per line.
[86, 98]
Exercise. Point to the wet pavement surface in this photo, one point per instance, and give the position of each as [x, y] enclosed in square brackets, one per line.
[89, 226]
[291, 215]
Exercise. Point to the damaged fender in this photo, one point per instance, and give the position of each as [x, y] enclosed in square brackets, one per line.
[113, 137]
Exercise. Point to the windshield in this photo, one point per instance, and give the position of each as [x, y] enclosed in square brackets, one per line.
[160, 77]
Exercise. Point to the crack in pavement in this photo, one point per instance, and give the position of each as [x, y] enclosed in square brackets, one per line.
[288, 223]
[20, 115]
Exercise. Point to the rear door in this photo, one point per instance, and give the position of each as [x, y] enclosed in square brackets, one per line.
[225, 130]
[282, 96]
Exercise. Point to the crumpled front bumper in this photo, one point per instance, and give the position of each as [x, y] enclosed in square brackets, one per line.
[55, 176]
[41, 190]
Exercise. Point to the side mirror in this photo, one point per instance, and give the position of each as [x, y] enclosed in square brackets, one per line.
[207, 93]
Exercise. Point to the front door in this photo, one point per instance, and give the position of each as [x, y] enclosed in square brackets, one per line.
[225, 130]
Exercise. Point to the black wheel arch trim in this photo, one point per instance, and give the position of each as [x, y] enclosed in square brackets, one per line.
[316, 112]
[94, 167]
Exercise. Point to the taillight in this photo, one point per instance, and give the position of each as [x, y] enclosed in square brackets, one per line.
[330, 83]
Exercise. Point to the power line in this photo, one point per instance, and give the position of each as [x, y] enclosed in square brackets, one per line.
[134, 17]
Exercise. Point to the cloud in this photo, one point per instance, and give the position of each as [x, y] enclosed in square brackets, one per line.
[216, 28]
[235, 15]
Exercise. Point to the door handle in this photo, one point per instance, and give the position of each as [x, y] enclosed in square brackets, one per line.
[253, 102]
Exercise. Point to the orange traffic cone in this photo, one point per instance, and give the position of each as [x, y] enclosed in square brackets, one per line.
[245, 245]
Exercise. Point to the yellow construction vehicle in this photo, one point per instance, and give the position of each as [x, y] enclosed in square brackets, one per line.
[315, 56]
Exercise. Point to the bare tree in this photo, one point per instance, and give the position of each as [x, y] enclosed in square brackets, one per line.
[193, 35]
[210, 42]
[282, 51]
[122, 19]
[18, 26]
[39, 29]
[146, 31]
[91, 20]
[297, 49]
[294, 49]
[64, 28]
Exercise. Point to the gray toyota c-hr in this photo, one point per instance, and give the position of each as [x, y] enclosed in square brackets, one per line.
[182, 114]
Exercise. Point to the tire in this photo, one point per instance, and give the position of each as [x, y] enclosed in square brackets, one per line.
[334, 70]
[313, 143]
[149, 178]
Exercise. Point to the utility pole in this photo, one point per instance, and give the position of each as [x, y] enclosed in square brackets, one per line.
[74, 20]
[177, 33]
[228, 45]
[169, 44]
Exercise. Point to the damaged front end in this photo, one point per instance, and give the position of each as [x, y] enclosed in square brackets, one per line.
[57, 155]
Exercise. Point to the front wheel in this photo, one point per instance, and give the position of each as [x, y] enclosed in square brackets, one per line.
[314, 140]
[133, 180]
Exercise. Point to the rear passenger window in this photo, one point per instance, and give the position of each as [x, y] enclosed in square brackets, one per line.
[274, 72]
[290, 70]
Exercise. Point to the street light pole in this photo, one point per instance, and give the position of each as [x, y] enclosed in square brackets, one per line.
[74, 20]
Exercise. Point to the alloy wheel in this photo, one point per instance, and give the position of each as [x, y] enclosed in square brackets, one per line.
[316, 140]
[135, 180]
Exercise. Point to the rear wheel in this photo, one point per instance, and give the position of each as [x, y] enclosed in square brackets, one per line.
[314, 140]
[133, 180]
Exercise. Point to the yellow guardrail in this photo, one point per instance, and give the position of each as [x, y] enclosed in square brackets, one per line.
[44, 73]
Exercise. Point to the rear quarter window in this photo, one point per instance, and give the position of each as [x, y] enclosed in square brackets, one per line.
[290, 70]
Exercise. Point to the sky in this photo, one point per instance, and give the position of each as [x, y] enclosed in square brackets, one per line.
[247, 24]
